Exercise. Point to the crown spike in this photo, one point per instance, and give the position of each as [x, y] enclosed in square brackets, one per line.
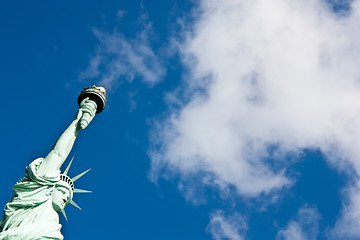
[79, 176]
[74, 204]
[76, 190]
[63, 212]
[68, 166]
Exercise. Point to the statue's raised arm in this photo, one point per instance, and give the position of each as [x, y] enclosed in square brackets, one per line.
[53, 161]
[32, 213]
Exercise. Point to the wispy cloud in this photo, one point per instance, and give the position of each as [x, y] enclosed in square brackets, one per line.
[347, 227]
[232, 227]
[303, 227]
[267, 79]
[119, 58]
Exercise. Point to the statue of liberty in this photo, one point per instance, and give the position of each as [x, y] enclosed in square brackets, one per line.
[32, 213]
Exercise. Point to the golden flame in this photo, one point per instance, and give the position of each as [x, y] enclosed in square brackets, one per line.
[100, 88]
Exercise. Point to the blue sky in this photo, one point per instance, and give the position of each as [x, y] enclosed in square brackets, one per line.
[225, 120]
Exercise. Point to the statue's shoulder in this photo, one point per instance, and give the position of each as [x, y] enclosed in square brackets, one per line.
[33, 167]
[37, 162]
[32, 173]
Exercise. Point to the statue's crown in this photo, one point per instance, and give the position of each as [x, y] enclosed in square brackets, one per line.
[67, 179]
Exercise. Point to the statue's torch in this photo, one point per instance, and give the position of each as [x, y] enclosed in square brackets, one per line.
[98, 96]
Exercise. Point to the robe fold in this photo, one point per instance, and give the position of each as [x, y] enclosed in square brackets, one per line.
[29, 214]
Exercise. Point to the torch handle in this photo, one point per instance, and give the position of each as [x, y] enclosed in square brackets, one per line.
[89, 110]
[85, 120]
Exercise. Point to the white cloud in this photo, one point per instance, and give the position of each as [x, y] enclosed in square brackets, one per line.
[224, 227]
[119, 58]
[304, 227]
[347, 227]
[267, 79]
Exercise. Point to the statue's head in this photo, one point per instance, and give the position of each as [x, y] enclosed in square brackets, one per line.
[64, 191]
[61, 196]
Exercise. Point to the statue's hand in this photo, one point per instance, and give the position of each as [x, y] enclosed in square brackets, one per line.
[86, 113]
[78, 115]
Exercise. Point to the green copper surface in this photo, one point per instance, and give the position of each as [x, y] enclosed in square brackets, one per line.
[33, 211]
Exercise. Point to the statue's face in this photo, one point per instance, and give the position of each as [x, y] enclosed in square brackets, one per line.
[60, 197]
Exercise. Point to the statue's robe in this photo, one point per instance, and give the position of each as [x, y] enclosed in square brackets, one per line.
[29, 214]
